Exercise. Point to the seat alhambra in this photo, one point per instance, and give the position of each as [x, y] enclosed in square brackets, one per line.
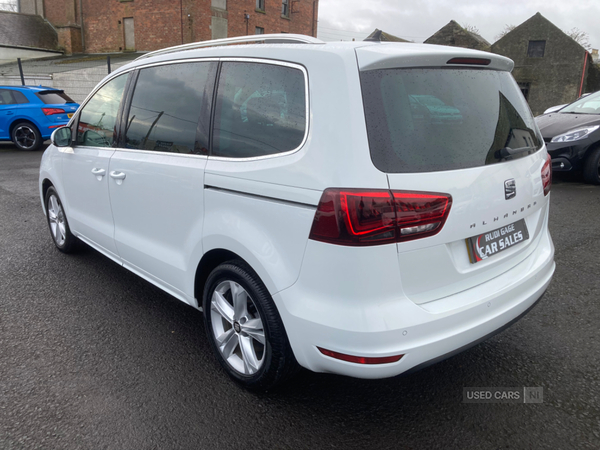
[357, 208]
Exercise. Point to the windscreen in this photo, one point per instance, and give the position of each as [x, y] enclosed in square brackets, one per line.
[590, 104]
[54, 97]
[435, 119]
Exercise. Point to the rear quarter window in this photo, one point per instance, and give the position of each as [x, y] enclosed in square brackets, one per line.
[260, 110]
[436, 119]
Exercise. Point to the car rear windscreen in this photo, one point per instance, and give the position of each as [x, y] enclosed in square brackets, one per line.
[434, 119]
[54, 97]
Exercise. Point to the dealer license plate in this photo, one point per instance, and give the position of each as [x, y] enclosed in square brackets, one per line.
[487, 244]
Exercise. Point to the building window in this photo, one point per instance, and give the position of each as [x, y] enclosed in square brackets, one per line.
[260, 5]
[536, 49]
[285, 8]
[259, 30]
[525, 89]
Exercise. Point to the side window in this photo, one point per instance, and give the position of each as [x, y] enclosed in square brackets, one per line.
[170, 108]
[261, 110]
[6, 98]
[98, 117]
[19, 97]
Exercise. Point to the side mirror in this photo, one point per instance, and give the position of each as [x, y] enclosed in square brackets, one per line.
[61, 137]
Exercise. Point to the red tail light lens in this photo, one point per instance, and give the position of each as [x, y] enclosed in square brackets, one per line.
[50, 111]
[360, 359]
[547, 175]
[357, 217]
[420, 214]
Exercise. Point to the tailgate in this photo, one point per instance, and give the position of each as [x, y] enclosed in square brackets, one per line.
[438, 266]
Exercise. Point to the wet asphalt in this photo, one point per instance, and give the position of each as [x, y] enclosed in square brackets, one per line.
[93, 357]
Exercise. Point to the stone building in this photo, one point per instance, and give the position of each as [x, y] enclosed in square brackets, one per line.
[550, 67]
[101, 26]
[454, 35]
[381, 36]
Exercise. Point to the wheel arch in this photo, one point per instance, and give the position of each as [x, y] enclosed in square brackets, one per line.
[21, 120]
[210, 260]
[46, 184]
[591, 150]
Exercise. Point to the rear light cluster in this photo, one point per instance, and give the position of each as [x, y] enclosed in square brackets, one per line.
[357, 217]
[51, 111]
[547, 175]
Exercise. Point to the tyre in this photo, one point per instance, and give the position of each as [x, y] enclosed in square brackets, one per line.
[591, 168]
[26, 136]
[57, 222]
[244, 328]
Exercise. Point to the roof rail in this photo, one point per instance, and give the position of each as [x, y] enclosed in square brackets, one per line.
[283, 38]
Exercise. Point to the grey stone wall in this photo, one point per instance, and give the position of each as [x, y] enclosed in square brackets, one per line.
[556, 77]
[454, 35]
[593, 79]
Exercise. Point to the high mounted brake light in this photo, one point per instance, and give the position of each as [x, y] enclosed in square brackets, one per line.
[470, 61]
[357, 217]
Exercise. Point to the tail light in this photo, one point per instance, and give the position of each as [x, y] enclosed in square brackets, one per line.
[50, 111]
[547, 175]
[358, 217]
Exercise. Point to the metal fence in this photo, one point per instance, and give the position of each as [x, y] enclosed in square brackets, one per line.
[76, 75]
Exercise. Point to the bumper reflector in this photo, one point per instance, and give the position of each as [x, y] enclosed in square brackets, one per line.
[360, 359]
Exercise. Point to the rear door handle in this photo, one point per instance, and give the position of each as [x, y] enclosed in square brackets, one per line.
[99, 173]
[118, 176]
[9, 113]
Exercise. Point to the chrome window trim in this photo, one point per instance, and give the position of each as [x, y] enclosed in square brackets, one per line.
[213, 59]
[154, 152]
[306, 106]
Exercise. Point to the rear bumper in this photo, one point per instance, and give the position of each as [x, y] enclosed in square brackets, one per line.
[379, 325]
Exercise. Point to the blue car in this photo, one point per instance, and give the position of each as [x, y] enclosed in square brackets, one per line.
[29, 114]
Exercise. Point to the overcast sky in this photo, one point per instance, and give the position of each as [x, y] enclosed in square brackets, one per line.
[416, 20]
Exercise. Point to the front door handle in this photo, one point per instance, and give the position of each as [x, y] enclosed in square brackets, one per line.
[99, 173]
[118, 176]
[9, 113]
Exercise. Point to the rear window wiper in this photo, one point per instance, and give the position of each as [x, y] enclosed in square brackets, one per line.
[508, 152]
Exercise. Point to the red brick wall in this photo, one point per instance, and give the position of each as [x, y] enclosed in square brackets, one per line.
[164, 23]
[299, 21]
[61, 12]
[69, 38]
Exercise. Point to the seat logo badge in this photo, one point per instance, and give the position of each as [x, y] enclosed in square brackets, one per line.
[510, 189]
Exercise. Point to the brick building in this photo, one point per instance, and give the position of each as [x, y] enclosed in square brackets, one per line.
[99, 26]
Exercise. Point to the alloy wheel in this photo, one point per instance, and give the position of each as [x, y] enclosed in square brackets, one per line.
[25, 137]
[237, 328]
[56, 219]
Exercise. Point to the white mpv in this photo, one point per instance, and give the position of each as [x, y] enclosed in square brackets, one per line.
[358, 208]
